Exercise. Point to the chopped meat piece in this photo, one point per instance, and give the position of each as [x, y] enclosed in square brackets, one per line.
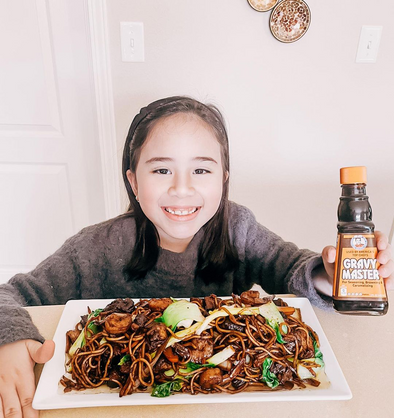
[181, 351]
[211, 377]
[312, 382]
[280, 302]
[125, 367]
[211, 302]
[156, 335]
[283, 373]
[259, 360]
[203, 349]
[237, 368]
[229, 325]
[237, 383]
[139, 321]
[120, 306]
[162, 365]
[252, 297]
[159, 305]
[301, 337]
[291, 346]
[199, 301]
[84, 320]
[71, 336]
[117, 350]
[114, 377]
[236, 299]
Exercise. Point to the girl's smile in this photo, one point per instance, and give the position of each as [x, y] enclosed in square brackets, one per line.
[179, 178]
[181, 214]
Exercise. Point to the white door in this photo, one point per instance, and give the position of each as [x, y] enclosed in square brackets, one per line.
[50, 171]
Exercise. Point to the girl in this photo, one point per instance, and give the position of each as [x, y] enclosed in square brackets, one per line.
[180, 237]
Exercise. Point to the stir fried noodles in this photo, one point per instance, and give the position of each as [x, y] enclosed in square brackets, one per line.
[205, 345]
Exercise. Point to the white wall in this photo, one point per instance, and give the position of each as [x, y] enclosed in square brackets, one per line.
[296, 112]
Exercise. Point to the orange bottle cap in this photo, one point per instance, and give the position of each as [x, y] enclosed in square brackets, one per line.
[349, 175]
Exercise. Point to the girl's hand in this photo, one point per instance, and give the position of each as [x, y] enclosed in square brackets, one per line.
[384, 257]
[17, 383]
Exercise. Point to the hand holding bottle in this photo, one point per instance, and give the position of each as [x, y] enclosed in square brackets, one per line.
[384, 257]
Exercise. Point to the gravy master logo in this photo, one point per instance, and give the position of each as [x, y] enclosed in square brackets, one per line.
[358, 242]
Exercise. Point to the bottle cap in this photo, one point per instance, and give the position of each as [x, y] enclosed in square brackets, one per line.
[349, 175]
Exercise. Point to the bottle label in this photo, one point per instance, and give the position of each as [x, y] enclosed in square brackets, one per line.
[356, 273]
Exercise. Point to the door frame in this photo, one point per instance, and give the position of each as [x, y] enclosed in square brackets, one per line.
[101, 65]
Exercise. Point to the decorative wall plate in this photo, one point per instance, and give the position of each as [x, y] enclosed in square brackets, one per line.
[290, 20]
[262, 5]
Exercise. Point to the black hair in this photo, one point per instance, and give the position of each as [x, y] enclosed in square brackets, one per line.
[217, 256]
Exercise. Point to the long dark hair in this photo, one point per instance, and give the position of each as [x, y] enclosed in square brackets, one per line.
[217, 256]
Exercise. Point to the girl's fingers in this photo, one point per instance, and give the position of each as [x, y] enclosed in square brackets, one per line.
[10, 400]
[26, 394]
[387, 270]
[381, 240]
[40, 353]
[328, 255]
[385, 255]
[389, 282]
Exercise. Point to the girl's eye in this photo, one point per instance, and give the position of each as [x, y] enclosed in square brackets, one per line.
[201, 171]
[162, 171]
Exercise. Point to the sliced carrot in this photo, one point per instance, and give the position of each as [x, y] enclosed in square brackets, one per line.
[287, 310]
[173, 358]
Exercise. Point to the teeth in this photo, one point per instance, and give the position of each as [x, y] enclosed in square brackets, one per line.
[181, 212]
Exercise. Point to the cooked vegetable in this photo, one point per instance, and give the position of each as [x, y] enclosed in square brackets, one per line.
[78, 343]
[274, 318]
[81, 340]
[225, 312]
[269, 311]
[183, 334]
[124, 360]
[268, 377]
[173, 358]
[221, 356]
[181, 313]
[166, 389]
[308, 369]
[318, 354]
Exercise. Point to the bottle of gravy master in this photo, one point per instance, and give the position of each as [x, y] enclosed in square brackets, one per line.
[357, 289]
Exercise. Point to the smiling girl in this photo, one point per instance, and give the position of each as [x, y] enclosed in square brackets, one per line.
[180, 237]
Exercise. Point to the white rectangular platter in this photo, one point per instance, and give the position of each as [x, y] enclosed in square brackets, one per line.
[50, 396]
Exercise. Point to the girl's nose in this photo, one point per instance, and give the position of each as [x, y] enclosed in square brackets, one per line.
[182, 186]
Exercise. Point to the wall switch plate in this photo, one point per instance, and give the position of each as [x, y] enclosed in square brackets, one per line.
[132, 41]
[368, 44]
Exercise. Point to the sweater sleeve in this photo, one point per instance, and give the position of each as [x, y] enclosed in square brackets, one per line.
[276, 265]
[54, 281]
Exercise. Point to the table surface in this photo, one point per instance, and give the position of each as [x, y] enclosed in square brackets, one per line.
[362, 345]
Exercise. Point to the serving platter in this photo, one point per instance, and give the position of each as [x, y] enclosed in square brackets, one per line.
[50, 395]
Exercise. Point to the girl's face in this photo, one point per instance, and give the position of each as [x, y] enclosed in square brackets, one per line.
[179, 178]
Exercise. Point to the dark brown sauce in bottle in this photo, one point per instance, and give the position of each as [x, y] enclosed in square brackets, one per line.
[357, 289]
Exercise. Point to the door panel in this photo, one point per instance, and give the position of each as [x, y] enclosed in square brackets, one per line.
[50, 171]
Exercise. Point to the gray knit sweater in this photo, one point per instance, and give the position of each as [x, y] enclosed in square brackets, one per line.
[89, 266]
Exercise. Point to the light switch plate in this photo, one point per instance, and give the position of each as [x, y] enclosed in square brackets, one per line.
[132, 41]
[368, 44]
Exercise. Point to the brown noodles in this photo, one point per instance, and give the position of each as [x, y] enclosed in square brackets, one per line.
[150, 363]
